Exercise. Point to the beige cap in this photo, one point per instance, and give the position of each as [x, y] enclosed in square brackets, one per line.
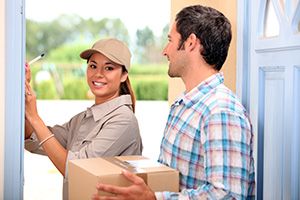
[113, 49]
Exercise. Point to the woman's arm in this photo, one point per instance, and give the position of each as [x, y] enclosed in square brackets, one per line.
[55, 151]
[28, 129]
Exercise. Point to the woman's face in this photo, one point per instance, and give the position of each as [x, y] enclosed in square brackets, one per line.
[104, 77]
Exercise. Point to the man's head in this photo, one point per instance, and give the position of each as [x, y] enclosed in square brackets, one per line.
[211, 27]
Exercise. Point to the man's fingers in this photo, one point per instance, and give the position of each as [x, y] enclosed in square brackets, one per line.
[132, 177]
[110, 188]
[97, 197]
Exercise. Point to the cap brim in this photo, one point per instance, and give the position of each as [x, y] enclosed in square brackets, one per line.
[89, 52]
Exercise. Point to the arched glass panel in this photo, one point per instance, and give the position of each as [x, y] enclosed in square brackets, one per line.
[271, 28]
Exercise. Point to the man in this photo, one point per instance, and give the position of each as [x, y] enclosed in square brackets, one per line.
[208, 136]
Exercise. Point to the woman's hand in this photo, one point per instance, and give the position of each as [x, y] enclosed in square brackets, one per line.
[30, 103]
[27, 72]
[28, 127]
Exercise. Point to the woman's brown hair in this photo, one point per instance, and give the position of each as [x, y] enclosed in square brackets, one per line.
[125, 88]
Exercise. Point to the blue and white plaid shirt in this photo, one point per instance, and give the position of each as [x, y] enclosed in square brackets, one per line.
[208, 138]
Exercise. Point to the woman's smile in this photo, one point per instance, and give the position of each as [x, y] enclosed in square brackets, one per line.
[98, 84]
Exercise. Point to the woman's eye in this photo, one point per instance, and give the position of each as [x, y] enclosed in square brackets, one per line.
[92, 66]
[109, 68]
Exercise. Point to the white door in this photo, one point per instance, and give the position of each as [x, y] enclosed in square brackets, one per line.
[271, 91]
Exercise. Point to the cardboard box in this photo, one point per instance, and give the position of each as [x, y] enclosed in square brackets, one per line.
[84, 174]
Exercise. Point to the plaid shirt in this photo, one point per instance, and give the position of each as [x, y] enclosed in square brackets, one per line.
[208, 138]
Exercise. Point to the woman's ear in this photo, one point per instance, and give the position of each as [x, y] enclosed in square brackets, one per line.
[124, 76]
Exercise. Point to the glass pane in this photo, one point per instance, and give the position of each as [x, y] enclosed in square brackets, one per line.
[290, 8]
[294, 3]
[271, 22]
[282, 4]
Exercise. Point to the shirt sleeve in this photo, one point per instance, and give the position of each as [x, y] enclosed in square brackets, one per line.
[61, 133]
[32, 145]
[227, 155]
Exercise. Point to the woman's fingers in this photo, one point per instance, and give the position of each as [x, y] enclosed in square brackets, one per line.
[28, 89]
[27, 72]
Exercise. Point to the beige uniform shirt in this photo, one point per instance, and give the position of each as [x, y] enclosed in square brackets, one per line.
[108, 129]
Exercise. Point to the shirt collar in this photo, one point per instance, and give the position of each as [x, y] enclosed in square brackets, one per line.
[200, 90]
[99, 111]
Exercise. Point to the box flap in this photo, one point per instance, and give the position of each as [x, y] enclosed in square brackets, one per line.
[142, 164]
[97, 166]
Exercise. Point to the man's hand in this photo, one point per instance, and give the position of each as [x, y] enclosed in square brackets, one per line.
[138, 190]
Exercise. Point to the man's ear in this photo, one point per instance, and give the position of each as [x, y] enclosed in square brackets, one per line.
[192, 42]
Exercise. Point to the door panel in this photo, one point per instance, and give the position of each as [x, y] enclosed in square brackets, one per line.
[273, 86]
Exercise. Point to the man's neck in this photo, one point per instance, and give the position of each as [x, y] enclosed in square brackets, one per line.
[196, 75]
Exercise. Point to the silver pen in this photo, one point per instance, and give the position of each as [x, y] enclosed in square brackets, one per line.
[36, 59]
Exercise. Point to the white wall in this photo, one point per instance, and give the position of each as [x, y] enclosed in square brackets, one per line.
[2, 97]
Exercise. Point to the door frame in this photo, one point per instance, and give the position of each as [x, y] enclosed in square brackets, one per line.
[14, 49]
[243, 77]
